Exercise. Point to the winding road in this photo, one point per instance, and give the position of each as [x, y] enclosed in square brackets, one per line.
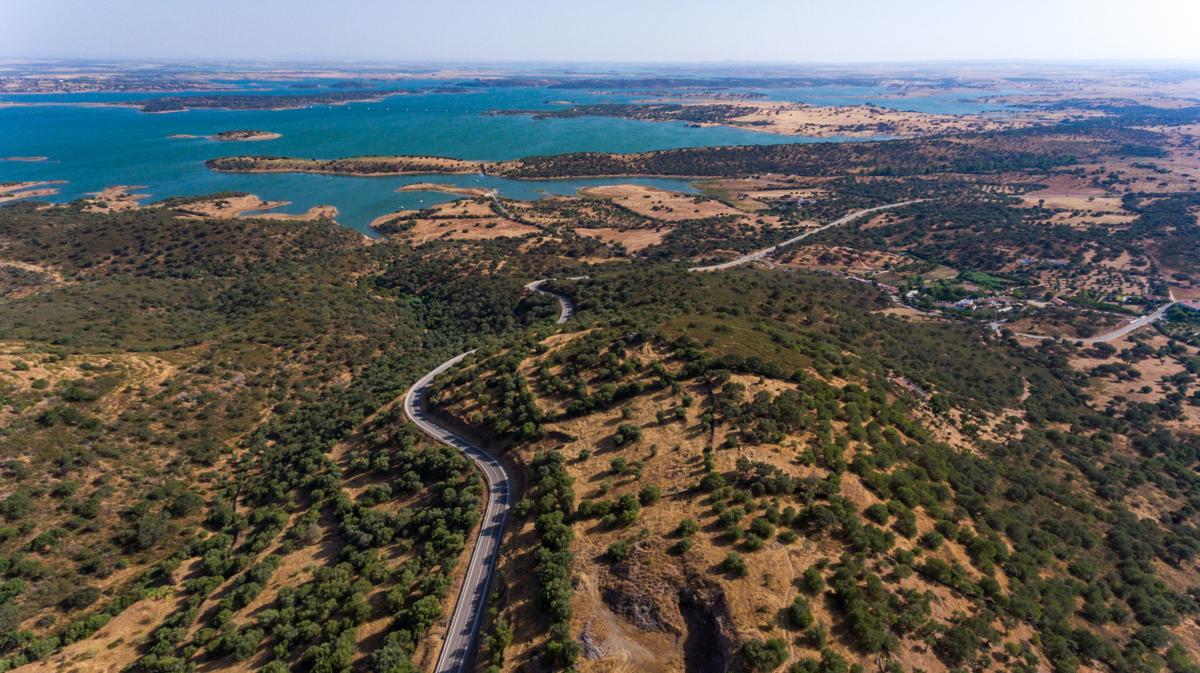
[766, 252]
[462, 634]
[467, 617]
[566, 309]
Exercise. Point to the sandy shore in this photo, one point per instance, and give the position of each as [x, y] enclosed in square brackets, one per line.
[230, 136]
[245, 136]
[248, 206]
[116, 199]
[446, 189]
[314, 213]
[121, 198]
[15, 191]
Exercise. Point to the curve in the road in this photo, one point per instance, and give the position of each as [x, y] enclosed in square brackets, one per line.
[766, 252]
[566, 308]
[467, 616]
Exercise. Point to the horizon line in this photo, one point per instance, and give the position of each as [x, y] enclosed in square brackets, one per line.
[415, 61]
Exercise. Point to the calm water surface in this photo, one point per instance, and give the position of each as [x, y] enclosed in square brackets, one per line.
[93, 147]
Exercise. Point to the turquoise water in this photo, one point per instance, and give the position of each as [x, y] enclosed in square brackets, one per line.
[93, 146]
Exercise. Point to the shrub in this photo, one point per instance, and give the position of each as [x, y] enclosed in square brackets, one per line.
[619, 465]
[711, 482]
[764, 656]
[649, 495]
[734, 564]
[877, 513]
[618, 551]
[687, 528]
[16, 506]
[799, 613]
[627, 433]
[812, 581]
[762, 528]
[80, 598]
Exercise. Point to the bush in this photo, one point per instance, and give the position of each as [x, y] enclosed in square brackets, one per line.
[764, 656]
[762, 528]
[832, 662]
[687, 528]
[734, 564]
[799, 613]
[80, 598]
[812, 581]
[649, 495]
[16, 506]
[627, 433]
[958, 645]
[619, 465]
[711, 482]
[618, 551]
[877, 513]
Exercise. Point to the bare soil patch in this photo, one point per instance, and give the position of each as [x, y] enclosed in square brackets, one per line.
[634, 240]
[660, 204]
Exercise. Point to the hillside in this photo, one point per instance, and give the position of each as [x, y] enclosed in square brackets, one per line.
[759, 471]
[200, 447]
[921, 405]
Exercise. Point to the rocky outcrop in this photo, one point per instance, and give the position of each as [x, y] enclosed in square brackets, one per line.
[652, 592]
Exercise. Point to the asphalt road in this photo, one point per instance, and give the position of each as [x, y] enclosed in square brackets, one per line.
[462, 634]
[766, 252]
[566, 309]
[1121, 331]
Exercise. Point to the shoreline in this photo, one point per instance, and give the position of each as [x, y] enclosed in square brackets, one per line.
[139, 106]
[16, 191]
[597, 176]
[237, 135]
[318, 167]
[362, 166]
[446, 189]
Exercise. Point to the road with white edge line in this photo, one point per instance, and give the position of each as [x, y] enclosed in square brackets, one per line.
[1135, 324]
[467, 617]
[462, 634]
[762, 254]
[766, 252]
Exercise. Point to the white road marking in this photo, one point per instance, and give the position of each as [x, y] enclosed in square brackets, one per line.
[765, 252]
[467, 617]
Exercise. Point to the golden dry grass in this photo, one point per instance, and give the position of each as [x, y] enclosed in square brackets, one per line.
[634, 240]
[474, 229]
[660, 204]
[654, 636]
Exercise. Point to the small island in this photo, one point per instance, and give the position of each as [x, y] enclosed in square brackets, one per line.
[236, 135]
[365, 165]
[244, 135]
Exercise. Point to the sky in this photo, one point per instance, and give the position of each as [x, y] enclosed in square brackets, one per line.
[639, 31]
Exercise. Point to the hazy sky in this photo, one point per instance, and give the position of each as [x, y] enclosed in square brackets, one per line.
[608, 30]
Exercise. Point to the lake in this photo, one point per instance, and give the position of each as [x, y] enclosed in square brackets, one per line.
[93, 146]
